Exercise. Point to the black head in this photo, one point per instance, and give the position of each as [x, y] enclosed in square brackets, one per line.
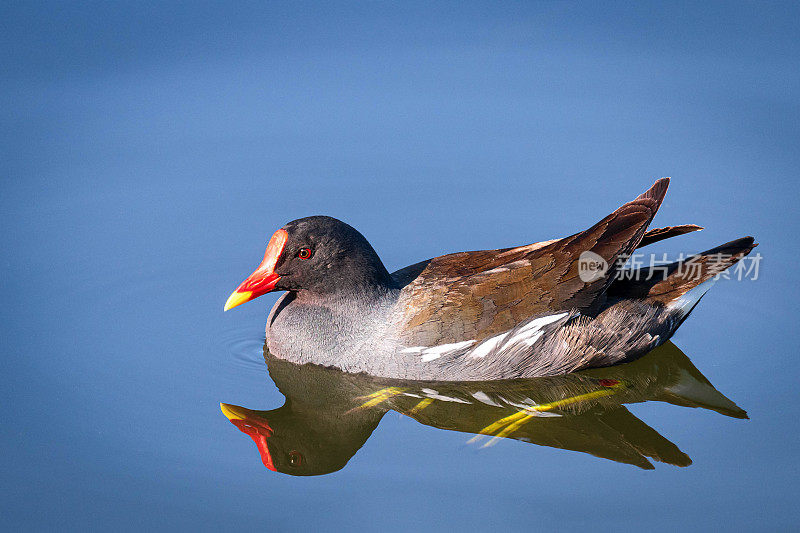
[319, 254]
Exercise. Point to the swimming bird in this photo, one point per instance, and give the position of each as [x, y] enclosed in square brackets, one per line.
[542, 309]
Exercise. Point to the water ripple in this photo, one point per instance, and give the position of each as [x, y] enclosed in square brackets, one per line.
[244, 347]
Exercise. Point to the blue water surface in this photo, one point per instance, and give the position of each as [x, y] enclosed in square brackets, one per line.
[149, 150]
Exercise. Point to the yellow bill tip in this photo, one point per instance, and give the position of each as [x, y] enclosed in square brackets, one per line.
[233, 412]
[237, 298]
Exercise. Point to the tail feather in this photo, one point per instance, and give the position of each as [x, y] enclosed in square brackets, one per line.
[659, 234]
[673, 284]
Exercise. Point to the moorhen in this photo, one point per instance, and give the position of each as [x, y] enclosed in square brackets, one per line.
[543, 309]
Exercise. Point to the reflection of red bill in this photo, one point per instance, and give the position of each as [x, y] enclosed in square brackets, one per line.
[253, 425]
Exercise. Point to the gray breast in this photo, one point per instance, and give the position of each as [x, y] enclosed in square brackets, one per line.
[351, 334]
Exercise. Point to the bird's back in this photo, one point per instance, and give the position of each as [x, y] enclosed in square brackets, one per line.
[474, 295]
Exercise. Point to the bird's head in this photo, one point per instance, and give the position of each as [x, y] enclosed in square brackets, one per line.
[319, 254]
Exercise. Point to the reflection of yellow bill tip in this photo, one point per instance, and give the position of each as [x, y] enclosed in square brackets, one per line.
[237, 298]
[233, 412]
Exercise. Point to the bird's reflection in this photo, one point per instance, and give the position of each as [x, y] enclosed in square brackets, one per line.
[328, 415]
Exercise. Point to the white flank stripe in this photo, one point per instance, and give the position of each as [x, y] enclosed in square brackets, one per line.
[483, 349]
[528, 334]
[413, 349]
[435, 352]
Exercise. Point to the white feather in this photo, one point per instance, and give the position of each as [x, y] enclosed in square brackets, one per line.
[435, 352]
[686, 303]
[528, 334]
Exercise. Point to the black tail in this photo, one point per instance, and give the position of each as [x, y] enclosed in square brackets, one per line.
[665, 284]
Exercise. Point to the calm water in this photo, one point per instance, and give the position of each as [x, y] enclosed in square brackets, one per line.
[149, 152]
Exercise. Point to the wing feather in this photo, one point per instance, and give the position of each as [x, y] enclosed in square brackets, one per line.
[474, 295]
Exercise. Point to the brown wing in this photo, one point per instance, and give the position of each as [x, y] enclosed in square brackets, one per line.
[474, 295]
[406, 275]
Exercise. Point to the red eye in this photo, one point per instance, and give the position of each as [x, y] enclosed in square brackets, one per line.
[304, 253]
